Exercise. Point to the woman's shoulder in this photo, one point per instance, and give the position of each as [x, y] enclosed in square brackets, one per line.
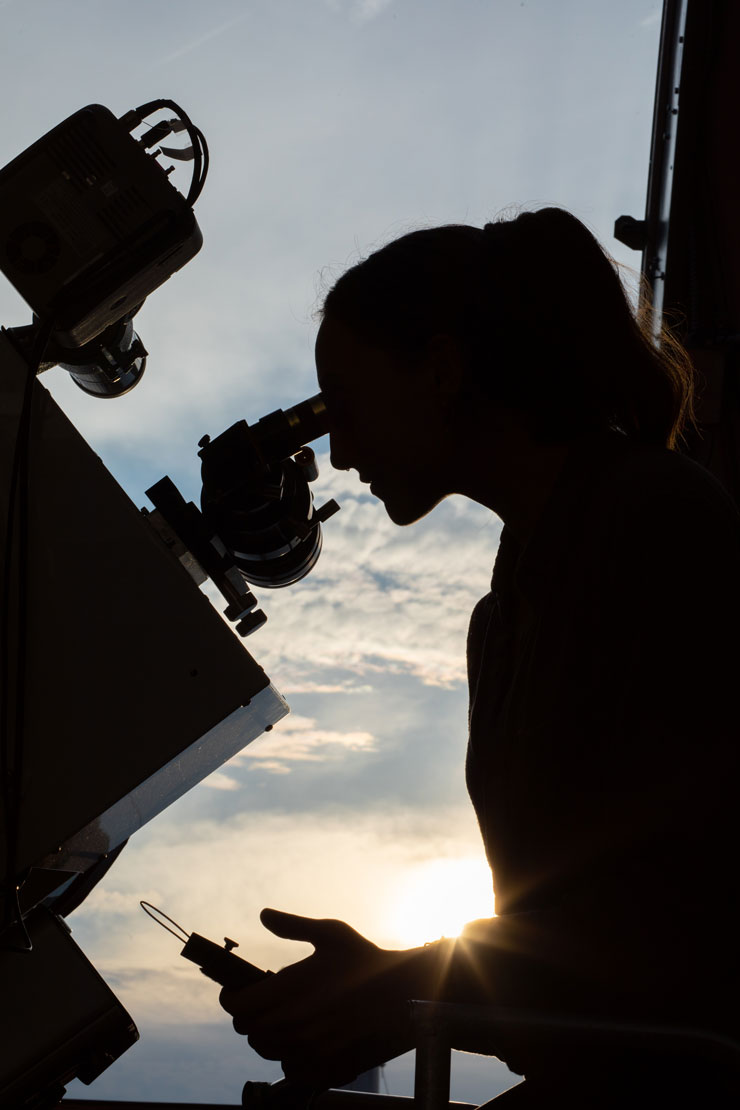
[654, 485]
[660, 522]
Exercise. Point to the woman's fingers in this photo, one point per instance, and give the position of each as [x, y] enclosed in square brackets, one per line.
[319, 931]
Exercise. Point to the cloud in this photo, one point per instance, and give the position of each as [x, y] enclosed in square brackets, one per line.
[111, 901]
[213, 877]
[220, 781]
[381, 599]
[208, 1063]
[326, 688]
[307, 863]
[297, 740]
[369, 9]
[361, 11]
[274, 767]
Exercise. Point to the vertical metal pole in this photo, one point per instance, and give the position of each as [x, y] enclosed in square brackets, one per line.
[432, 1074]
[662, 153]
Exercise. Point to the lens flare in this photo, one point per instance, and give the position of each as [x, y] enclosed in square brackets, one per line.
[438, 897]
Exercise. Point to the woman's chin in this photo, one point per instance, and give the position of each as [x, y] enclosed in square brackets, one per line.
[403, 512]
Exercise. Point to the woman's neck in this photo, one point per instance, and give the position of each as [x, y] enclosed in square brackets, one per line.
[512, 474]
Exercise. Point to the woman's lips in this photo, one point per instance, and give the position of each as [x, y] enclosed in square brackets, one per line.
[368, 481]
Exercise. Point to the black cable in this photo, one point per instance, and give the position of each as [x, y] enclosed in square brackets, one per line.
[206, 162]
[12, 738]
[200, 147]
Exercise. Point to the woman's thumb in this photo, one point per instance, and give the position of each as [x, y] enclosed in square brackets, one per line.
[316, 930]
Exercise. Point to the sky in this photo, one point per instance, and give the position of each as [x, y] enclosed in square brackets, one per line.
[334, 126]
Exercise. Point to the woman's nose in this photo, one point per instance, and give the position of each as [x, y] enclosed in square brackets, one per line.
[338, 452]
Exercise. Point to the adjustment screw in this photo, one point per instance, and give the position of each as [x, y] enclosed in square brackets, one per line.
[204, 441]
[229, 944]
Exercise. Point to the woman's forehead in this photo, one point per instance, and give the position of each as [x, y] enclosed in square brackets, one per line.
[346, 359]
[334, 338]
[338, 350]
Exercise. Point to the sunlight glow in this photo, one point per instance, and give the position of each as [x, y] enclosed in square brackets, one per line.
[438, 898]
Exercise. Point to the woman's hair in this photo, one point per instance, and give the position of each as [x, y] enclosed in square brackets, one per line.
[539, 310]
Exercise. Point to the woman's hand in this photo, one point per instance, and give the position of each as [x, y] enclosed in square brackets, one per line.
[336, 1013]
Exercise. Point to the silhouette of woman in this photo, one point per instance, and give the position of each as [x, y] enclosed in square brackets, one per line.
[506, 364]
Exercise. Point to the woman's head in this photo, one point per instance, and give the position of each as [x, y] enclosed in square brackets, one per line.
[389, 417]
[540, 318]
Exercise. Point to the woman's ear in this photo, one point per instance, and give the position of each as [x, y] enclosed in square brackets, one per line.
[445, 362]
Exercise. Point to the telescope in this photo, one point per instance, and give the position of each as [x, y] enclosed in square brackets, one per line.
[120, 685]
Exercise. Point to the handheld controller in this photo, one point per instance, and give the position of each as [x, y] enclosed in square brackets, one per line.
[220, 963]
